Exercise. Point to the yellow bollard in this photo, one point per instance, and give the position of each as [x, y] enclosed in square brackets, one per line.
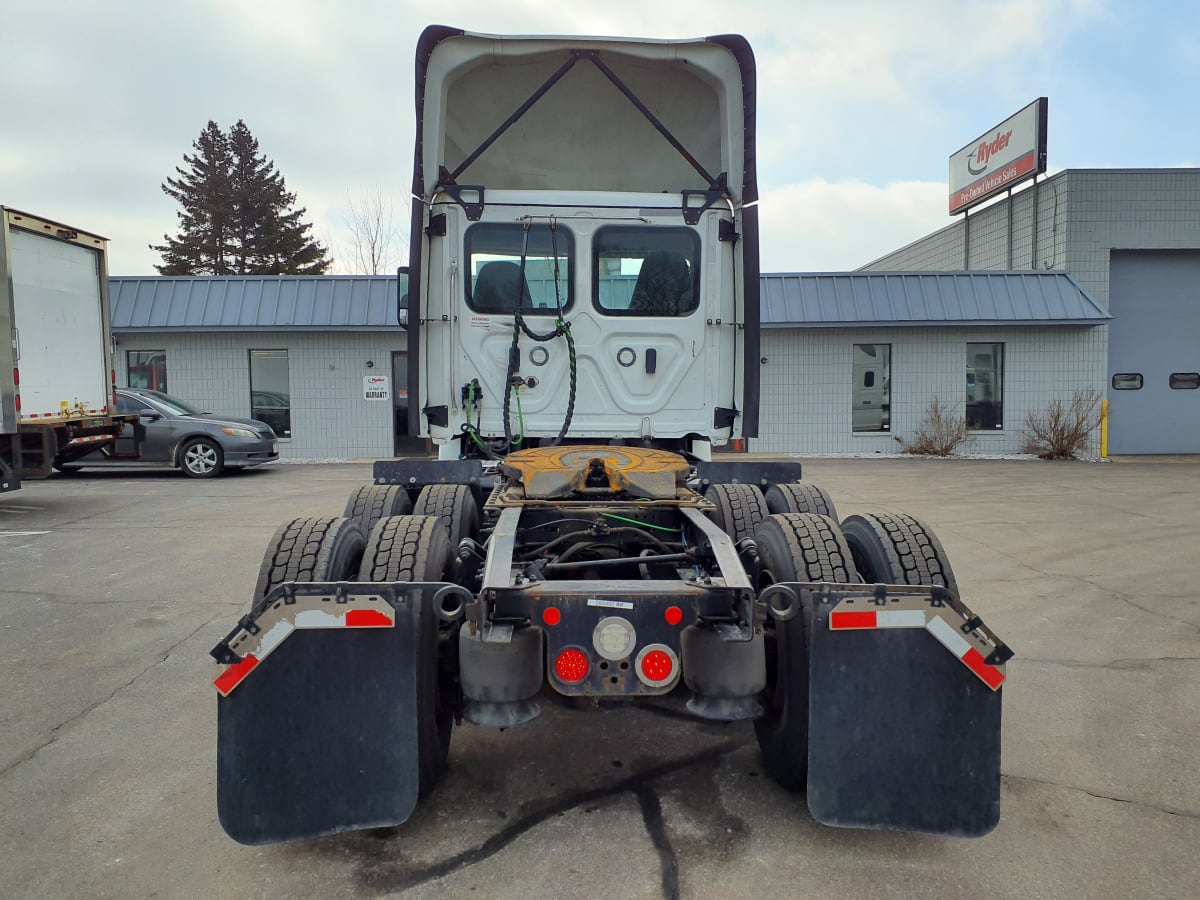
[1104, 429]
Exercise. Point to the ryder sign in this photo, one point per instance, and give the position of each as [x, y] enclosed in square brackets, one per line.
[1003, 157]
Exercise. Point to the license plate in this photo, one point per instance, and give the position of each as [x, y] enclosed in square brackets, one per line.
[94, 423]
[274, 447]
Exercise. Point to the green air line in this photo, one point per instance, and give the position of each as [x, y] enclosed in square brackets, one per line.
[640, 524]
[470, 411]
[520, 418]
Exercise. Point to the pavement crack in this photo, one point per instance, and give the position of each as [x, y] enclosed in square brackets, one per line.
[54, 732]
[1118, 664]
[1167, 810]
[652, 816]
[636, 784]
[1126, 599]
[1116, 595]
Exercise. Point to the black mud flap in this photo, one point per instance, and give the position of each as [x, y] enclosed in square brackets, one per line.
[902, 734]
[321, 736]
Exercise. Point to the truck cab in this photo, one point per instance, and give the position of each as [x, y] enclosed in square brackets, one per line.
[584, 251]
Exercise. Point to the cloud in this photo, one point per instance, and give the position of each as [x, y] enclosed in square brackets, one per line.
[824, 226]
[102, 100]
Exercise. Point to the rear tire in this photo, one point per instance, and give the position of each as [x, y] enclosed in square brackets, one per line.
[793, 547]
[893, 548]
[416, 548]
[310, 550]
[740, 508]
[454, 506]
[201, 458]
[369, 504]
[800, 497]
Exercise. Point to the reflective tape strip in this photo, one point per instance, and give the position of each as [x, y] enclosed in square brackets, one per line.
[354, 618]
[89, 439]
[233, 675]
[368, 618]
[959, 646]
[887, 618]
[991, 676]
[900, 618]
[840, 620]
[946, 634]
[951, 639]
[273, 637]
[305, 619]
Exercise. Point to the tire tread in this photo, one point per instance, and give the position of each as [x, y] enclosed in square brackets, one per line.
[740, 508]
[913, 551]
[799, 497]
[308, 549]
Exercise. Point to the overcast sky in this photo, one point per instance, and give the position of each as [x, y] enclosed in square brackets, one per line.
[861, 102]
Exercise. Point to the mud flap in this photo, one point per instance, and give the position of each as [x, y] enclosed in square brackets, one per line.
[321, 737]
[903, 734]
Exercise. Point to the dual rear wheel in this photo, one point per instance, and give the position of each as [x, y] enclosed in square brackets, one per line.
[384, 538]
[798, 539]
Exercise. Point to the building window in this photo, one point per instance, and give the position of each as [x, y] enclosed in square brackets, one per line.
[270, 392]
[1185, 381]
[638, 271]
[985, 386]
[872, 394]
[1127, 381]
[147, 369]
[494, 266]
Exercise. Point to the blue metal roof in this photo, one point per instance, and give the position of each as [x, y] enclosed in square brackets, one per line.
[843, 299]
[254, 302]
[804, 300]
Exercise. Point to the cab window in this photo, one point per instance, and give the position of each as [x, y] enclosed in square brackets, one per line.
[493, 281]
[641, 271]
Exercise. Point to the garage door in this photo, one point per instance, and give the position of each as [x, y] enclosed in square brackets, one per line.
[1154, 352]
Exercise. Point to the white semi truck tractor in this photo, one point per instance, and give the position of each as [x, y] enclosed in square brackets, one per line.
[583, 331]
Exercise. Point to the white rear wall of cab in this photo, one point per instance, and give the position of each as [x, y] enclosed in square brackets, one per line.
[56, 289]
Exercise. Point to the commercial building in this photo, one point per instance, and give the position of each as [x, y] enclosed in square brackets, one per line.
[1086, 280]
[322, 359]
[1130, 238]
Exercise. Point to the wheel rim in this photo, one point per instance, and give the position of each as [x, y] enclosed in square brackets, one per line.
[200, 458]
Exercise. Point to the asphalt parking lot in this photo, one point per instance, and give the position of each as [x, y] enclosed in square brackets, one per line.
[114, 586]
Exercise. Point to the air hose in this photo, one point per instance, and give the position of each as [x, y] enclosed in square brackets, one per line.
[561, 328]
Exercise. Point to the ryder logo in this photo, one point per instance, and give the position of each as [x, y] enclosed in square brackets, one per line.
[985, 151]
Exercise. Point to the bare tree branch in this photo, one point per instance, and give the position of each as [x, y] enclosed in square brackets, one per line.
[377, 243]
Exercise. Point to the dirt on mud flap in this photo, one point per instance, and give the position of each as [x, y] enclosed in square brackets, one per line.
[317, 694]
[904, 715]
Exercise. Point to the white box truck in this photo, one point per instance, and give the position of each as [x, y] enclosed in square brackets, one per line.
[56, 368]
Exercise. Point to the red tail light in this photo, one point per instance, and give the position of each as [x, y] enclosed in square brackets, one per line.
[657, 665]
[571, 666]
[551, 615]
[113, 373]
[17, 387]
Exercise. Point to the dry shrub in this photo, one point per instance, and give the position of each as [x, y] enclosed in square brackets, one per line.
[941, 432]
[1062, 430]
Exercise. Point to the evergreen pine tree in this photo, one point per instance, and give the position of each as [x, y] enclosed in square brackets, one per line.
[272, 237]
[203, 244]
[237, 215]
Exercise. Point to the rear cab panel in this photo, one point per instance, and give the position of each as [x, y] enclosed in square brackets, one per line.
[517, 132]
